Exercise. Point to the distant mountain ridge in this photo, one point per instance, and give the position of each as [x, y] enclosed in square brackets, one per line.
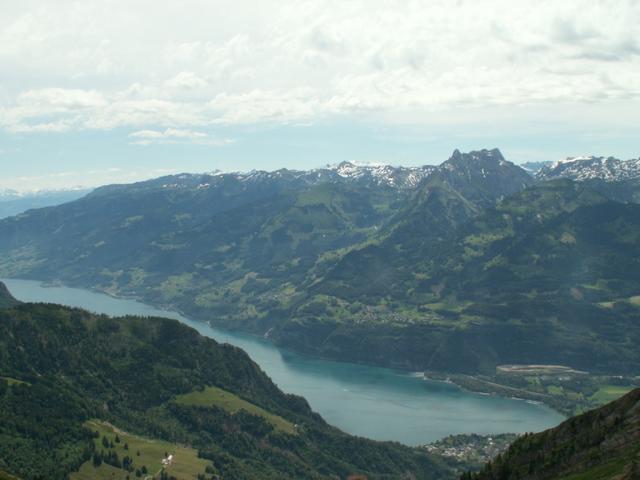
[609, 169]
[13, 202]
[379, 175]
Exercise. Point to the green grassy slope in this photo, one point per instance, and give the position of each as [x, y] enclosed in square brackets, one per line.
[217, 397]
[138, 454]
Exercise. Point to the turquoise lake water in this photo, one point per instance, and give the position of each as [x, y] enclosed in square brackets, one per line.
[372, 402]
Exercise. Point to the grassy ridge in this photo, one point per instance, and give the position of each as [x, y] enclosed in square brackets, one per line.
[217, 397]
[144, 452]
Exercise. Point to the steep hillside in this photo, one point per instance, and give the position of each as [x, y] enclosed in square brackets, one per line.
[6, 299]
[453, 194]
[549, 275]
[226, 249]
[66, 374]
[602, 444]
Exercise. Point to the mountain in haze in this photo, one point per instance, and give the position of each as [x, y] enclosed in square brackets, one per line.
[13, 202]
[534, 167]
[477, 265]
[602, 444]
[107, 396]
[609, 169]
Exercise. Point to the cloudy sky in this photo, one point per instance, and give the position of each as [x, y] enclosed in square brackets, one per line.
[105, 91]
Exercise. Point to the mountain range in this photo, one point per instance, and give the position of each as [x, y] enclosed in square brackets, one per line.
[460, 267]
[609, 169]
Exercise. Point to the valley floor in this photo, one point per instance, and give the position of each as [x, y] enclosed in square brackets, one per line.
[567, 391]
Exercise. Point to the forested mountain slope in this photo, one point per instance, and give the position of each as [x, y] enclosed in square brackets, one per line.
[548, 275]
[602, 444]
[61, 368]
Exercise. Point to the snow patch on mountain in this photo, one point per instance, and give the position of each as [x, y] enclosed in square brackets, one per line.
[383, 174]
[589, 167]
[378, 174]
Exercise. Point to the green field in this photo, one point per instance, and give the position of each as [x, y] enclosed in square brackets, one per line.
[608, 393]
[144, 452]
[14, 381]
[216, 397]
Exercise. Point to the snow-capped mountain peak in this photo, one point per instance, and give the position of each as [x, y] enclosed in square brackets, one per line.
[589, 167]
[382, 174]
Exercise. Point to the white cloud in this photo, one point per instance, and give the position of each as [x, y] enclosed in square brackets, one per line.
[175, 135]
[60, 98]
[195, 64]
[186, 80]
[82, 178]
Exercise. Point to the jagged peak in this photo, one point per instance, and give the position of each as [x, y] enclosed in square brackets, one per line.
[478, 155]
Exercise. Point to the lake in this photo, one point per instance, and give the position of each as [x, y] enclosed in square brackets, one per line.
[372, 402]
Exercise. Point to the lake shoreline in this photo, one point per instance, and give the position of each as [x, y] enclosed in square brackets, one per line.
[380, 403]
[444, 377]
[470, 383]
[480, 386]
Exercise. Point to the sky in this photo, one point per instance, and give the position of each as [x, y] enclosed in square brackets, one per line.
[117, 91]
